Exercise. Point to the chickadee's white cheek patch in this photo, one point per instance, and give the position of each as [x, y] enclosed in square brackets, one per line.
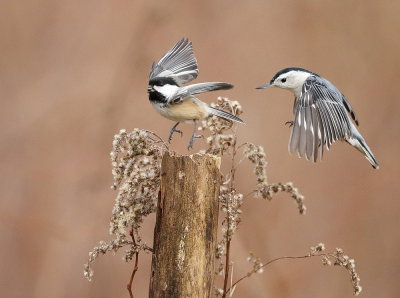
[167, 89]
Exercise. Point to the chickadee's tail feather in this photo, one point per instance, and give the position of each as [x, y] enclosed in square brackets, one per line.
[223, 114]
[359, 143]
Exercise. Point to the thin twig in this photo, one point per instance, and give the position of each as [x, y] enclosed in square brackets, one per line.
[241, 145]
[239, 162]
[135, 268]
[277, 259]
[249, 194]
[233, 169]
[231, 292]
[158, 137]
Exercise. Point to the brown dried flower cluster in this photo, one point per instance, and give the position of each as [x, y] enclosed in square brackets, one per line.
[135, 159]
[102, 248]
[344, 261]
[219, 141]
[339, 259]
[258, 266]
[265, 190]
[230, 204]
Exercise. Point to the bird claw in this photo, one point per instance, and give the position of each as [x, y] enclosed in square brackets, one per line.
[173, 129]
[172, 132]
[191, 142]
[291, 123]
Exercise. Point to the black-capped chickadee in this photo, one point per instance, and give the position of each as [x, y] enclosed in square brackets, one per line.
[321, 114]
[176, 102]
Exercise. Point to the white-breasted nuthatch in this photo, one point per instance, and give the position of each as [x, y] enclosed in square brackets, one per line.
[321, 114]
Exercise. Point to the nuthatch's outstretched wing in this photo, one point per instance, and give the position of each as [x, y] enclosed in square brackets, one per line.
[320, 118]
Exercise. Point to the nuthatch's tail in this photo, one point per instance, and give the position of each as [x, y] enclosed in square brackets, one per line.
[223, 114]
[359, 143]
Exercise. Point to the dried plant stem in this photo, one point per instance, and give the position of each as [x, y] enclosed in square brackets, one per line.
[233, 168]
[160, 140]
[310, 255]
[269, 262]
[228, 236]
[249, 194]
[226, 274]
[135, 268]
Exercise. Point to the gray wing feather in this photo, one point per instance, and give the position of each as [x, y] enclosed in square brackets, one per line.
[303, 133]
[346, 104]
[309, 133]
[350, 110]
[295, 137]
[320, 118]
[199, 88]
[204, 87]
[318, 133]
[178, 63]
[326, 126]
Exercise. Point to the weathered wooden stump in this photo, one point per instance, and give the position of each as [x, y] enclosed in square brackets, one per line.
[185, 234]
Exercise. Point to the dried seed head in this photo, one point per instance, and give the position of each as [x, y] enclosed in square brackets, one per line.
[136, 161]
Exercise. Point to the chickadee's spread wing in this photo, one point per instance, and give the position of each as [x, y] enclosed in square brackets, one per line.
[178, 63]
[320, 118]
[199, 88]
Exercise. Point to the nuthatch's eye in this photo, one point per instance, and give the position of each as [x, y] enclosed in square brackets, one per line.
[283, 80]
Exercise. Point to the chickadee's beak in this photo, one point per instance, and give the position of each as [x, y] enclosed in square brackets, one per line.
[150, 88]
[266, 85]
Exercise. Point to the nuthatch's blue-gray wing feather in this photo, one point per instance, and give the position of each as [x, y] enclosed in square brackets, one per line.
[320, 118]
[198, 88]
[179, 63]
[350, 110]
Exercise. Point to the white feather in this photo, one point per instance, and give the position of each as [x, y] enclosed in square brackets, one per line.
[167, 90]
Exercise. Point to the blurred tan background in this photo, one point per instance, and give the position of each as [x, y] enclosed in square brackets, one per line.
[72, 73]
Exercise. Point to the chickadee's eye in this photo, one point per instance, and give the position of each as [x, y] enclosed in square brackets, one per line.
[283, 80]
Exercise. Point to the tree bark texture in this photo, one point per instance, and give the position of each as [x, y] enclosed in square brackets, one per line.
[185, 234]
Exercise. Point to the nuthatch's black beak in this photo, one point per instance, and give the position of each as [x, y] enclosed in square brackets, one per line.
[266, 85]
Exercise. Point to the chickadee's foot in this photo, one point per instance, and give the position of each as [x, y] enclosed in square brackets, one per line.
[173, 129]
[191, 142]
[291, 123]
[172, 132]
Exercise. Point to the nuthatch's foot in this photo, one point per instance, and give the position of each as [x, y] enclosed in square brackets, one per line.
[291, 123]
